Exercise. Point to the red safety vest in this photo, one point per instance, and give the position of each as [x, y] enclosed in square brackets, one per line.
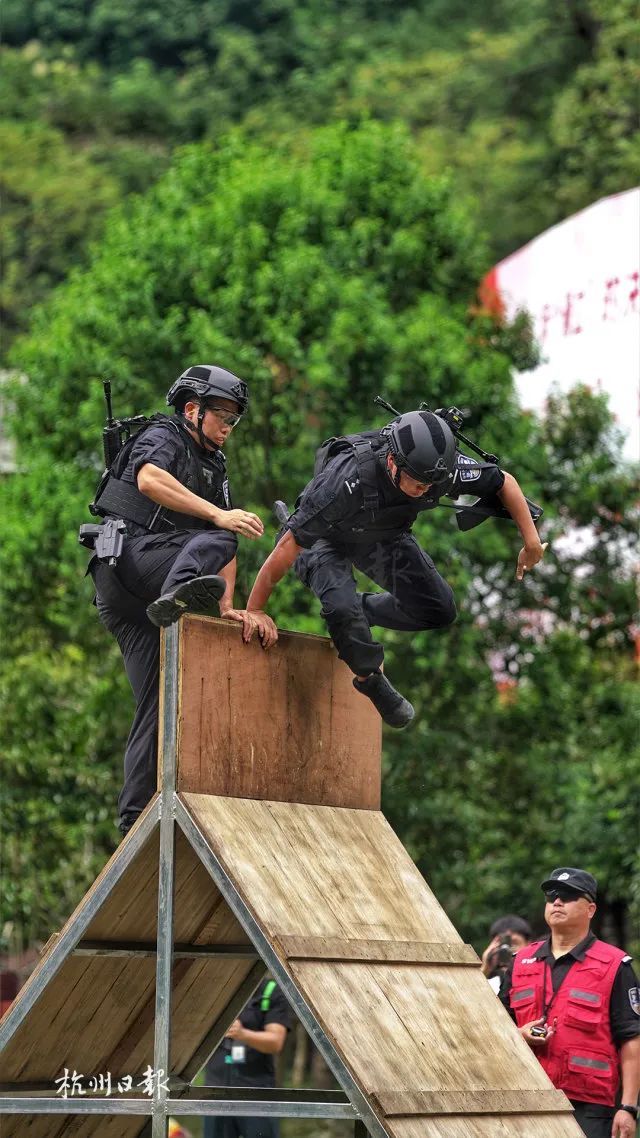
[581, 1057]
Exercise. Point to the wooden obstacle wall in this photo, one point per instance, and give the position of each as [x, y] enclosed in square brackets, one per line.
[284, 725]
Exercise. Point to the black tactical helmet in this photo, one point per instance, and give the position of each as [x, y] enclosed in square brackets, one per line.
[205, 381]
[423, 445]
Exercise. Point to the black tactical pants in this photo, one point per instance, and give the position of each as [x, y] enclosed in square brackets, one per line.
[595, 1120]
[149, 566]
[416, 596]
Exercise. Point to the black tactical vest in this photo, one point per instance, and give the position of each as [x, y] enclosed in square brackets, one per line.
[116, 498]
[378, 521]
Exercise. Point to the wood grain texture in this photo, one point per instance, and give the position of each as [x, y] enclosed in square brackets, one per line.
[57, 1126]
[330, 886]
[495, 1101]
[285, 725]
[97, 1013]
[416, 1028]
[486, 1126]
[381, 951]
[320, 871]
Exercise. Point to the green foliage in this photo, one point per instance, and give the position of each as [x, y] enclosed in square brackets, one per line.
[323, 278]
[53, 202]
[596, 120]
[534, 111]
[325, 266]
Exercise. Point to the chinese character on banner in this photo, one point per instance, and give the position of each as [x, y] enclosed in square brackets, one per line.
[101, 1083]
[152, 1081]
[70, 1085]
[125, 1084]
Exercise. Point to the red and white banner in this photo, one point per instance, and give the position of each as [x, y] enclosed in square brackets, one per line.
[580, 282]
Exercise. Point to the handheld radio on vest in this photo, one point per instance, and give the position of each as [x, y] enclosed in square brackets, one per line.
[116, 432]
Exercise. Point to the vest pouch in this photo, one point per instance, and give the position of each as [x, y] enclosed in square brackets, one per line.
[584, 1009]
[594, 1066]
[523, 1003]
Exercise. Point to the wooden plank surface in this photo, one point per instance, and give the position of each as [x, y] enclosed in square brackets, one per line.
[315, 871]
[371, 951]
[97, 1013]
[323, 746]
[57, 1126]
[337, 882]
[495, 1101]
[487, 1126]
[416, 1028]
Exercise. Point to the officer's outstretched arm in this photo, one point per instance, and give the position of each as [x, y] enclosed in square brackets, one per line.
[164, 489]
[515, 502]
[273, 570]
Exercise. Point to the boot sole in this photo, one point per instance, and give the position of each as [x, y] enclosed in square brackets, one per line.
[407, 717]
[198, 596]
[400, 718]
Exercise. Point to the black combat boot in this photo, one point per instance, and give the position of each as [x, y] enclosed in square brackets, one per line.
[394, 708]
[126, 822]
[198, 595]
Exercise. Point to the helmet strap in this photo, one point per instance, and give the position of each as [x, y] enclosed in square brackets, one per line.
[395, 478]
[202, 438]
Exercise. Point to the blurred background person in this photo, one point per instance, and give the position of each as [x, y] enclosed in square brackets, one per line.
[507, 934]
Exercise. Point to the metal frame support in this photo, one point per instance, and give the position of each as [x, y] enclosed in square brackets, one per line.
[166, 883]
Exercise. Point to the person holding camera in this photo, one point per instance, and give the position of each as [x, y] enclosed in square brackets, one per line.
[168, 489]
[507, 934]
[357, 512]
[575, 1000]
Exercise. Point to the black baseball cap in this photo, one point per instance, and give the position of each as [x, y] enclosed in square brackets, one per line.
[568, 877]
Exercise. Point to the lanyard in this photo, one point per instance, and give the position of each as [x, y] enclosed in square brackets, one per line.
[546, 1004]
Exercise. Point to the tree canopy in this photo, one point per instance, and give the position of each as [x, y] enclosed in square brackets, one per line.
[532, 108]
[323, 270]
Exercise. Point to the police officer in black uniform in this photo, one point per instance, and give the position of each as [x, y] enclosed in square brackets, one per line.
[169, 485]
[358, 510]
[246, 1059]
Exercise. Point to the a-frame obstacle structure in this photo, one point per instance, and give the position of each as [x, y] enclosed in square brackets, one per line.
[265, 849]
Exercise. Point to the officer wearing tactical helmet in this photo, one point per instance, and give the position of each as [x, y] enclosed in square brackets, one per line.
[358, 510]
[169, 486]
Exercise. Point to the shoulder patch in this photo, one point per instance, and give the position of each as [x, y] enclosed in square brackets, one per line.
[469, 475]
[634, 1000]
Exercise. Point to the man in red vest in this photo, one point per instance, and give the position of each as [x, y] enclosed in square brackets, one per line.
[575, 999]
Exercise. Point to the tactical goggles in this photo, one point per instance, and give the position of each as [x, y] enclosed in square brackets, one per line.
[564, 894]
[229, 418]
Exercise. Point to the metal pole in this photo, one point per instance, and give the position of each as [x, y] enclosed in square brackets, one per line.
[166, 879]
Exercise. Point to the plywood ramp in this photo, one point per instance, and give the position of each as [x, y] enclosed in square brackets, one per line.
[383, 970]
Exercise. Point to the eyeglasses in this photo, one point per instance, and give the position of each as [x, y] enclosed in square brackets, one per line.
[565, 895]
[226, 417]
